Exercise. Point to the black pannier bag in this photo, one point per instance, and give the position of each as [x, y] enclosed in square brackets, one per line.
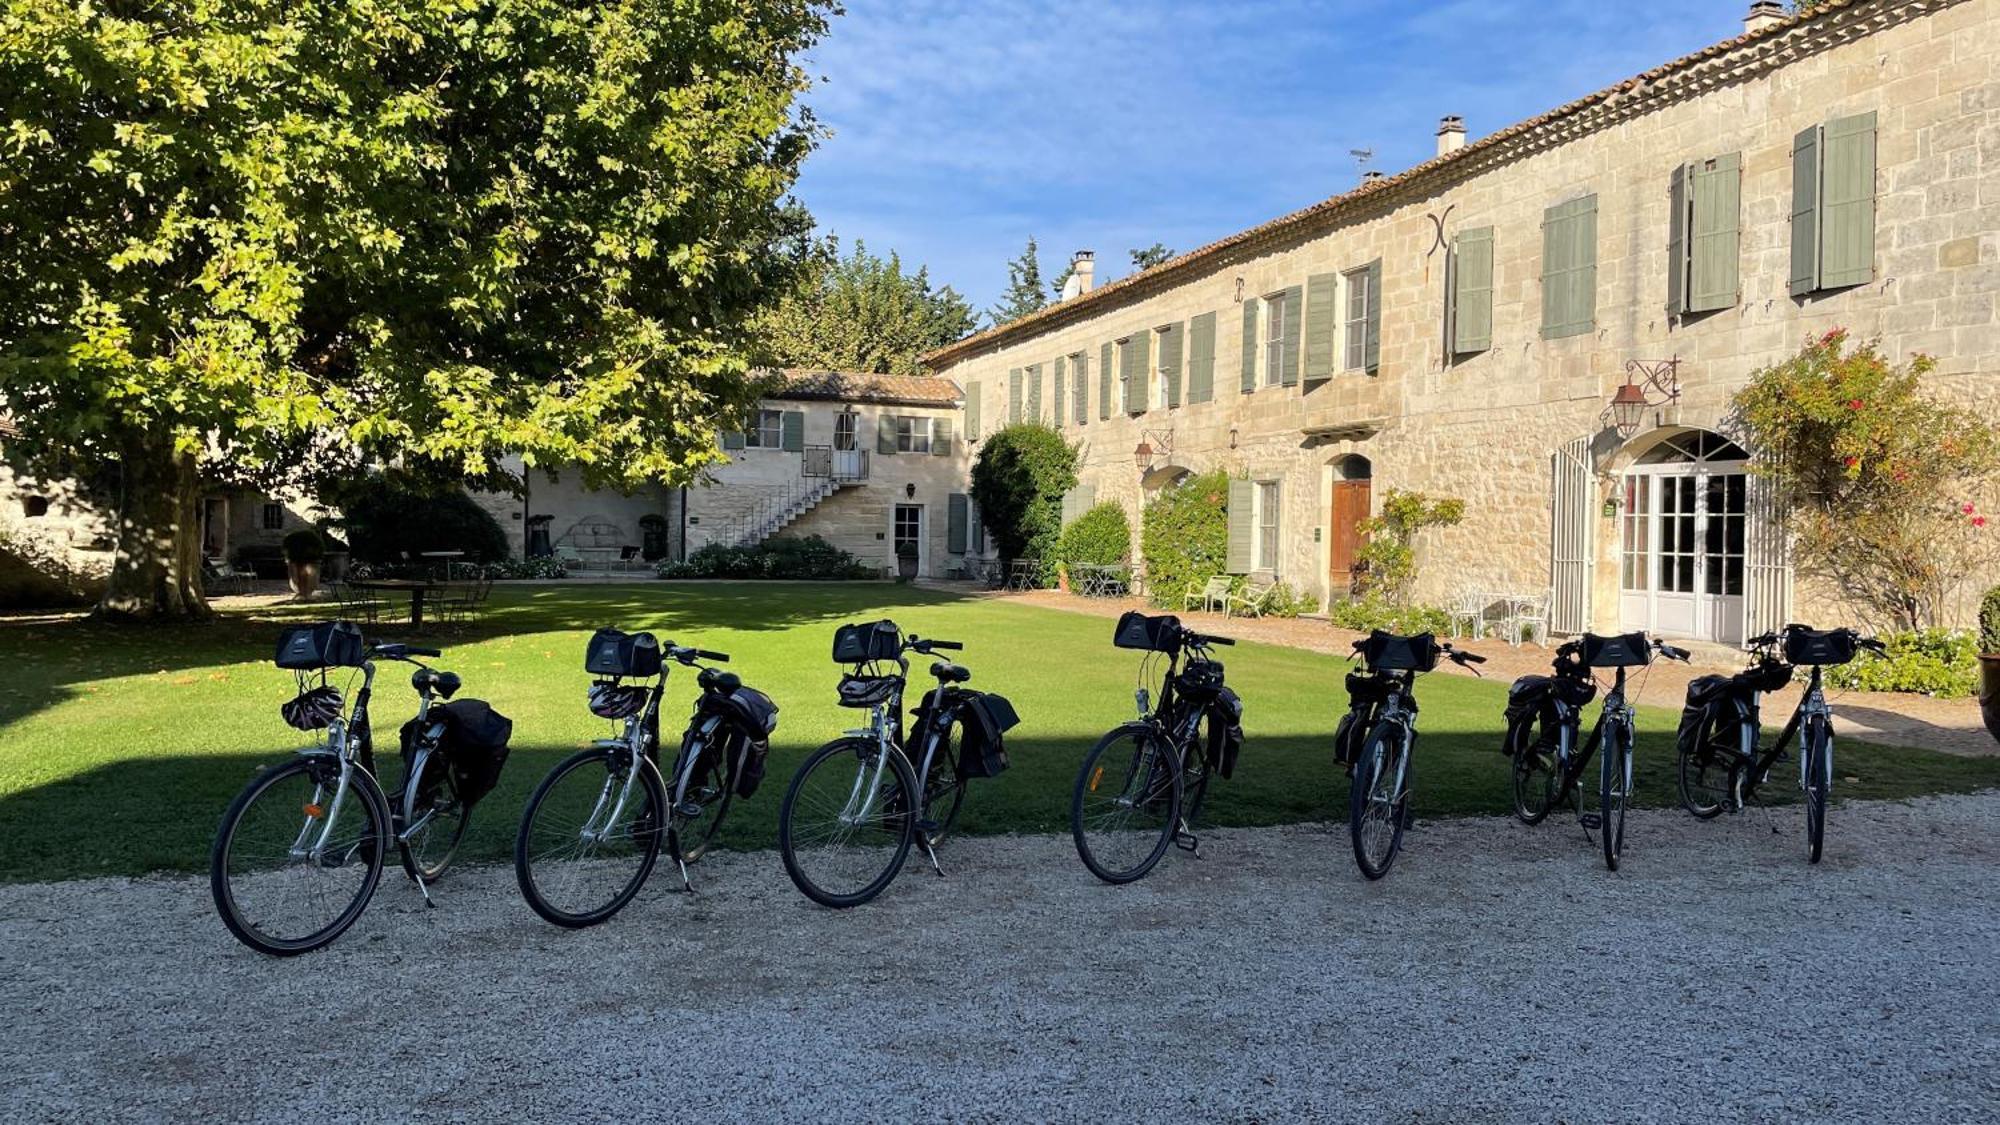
[1225, 739]
[983, 720]
[327, 644]
[750, 756]
[1363, 693]
[1706, 697]
[1618, 650]
[616, 653]
[1527, 698]
[873, 640]
[1148, 634]
[473, 742]
[1813, 646]
[1385, 651]
[1201, 679]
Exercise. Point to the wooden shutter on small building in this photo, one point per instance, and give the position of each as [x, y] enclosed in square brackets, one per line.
[1805, 212]
[1847, 202]
[957, 522]
[1714, 196]
[1170, 361]
[1569, 268]
[941, 437]
[1057, 400]
[1470, 307]
[1242, 530]
[1573, 541]
[1105, 375]
[732, 439]
[1767, 559]
[885, 434]
[1250, 307]
[1322, 317]
[972, 410]
[1288, 363]
[1077, 501]
[1373, 349]
[1201, 358]
[1014, 396]
[792, 431]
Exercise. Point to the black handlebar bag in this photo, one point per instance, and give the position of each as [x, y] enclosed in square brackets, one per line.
[870, 641]
[1386, 652]
[616, 653]
[1148, 634]
[326, 644]
[1814, 646]
[1619, 650]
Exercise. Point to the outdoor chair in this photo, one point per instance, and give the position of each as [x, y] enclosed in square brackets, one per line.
[628, 557]
[357, 604]
[1255, 599]
[1211, 595]
[1468, 607]
[222, 578]
[570, 558]
[1529, 620]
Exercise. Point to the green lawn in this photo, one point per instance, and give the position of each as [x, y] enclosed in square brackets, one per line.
[119, 747]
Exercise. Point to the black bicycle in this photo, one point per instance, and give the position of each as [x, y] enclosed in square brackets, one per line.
[1545, 720]
[1142, 786]
[858, 803]
[1377, 739]
[594, 827]
[1720, 764]
[300, 851]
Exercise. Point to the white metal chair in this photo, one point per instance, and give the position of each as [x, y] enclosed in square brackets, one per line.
[1469, 607]
[1214, 594]
[1255, 599]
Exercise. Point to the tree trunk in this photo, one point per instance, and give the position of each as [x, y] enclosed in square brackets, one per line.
[157, 570]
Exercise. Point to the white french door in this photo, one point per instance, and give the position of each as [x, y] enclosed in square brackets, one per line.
[1681, 541]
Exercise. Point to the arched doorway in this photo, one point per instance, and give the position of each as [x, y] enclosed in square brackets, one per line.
[1349, 505]
[1682, 521]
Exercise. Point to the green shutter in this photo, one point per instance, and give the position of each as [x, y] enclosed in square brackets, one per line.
[1014, 396]
[792, 431]
[1472, 291]
[956, 521]
[1034, 375]
[1569, 268]
[1714, 189]
[1678, 244]
[941, 437]
[1081, 378]
[1847, 203]
[1238, 555]
[1077, 501]
[1058, 403]
[972, 411]
[1139, 373]
[1288, 364]
[1170, 361]
[1322, 316]
[1104, 377]
[1805, 212]
[1372, 342]
[1250, 344]
[1201, 358]
[732, 439]
[885, 434]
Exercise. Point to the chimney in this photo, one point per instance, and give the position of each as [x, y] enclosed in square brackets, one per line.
[1451, 134]
[1082, 274]
[1763, 14]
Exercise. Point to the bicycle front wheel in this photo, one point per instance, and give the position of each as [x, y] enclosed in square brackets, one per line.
[589, 836]
[1378, 800]
[1126, 805]
[297, 858]
[846, 824]
[1818, 784]
[1615, 791]
[434, 820]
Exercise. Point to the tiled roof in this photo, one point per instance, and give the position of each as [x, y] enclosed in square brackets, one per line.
[798, 383]
[1698, 71]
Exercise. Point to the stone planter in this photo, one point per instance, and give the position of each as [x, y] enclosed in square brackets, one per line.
[1989, 692]
[305, 579]
[906, 567]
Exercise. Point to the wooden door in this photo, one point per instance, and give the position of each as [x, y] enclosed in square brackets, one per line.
[1350, 507]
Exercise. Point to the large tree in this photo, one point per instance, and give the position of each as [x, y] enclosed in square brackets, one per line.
[862, 313]
[276, 240]
[1151, 256]
[1024, 293]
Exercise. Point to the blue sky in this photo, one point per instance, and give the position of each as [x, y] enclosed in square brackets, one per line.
[962, 128]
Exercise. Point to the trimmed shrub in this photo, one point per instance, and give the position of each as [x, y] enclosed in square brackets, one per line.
[390, 514]
[1185, 536]
[1101, 536]
[304, 546]
[810, 558]
[1018, 482]
[1366, 613]
[546, 566]
[1989, 621]
[1936, 662]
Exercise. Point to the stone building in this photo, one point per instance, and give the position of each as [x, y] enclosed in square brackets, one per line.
[1463, 328]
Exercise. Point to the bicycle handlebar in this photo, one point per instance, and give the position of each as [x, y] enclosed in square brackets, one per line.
[396, 650]
[1201, 639]
[1872, 645]
[1672, 653]
[688, 656]
[919, 644]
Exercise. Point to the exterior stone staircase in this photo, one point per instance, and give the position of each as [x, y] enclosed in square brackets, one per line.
[785, 507]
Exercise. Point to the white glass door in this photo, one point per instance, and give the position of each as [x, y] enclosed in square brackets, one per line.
[1681, 546]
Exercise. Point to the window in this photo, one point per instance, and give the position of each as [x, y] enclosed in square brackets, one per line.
[1469, 295]
[1135, 371]
[909, 525]
[1167, 364]
[1702, 236]
[1833, 205]
[1569, 268]
[1267, 526]
[274, 517]
[843, 430]
[766, 431]
[913, 435]
[1273, 360]
[1360, 310]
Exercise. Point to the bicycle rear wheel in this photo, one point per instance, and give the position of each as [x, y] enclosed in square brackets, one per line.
[710, 786]
[1127, 804]
[590, 836]
[846, 826]
[1377, 800]
[1818, 784]
[295, 862]
[1614, 789]
[1705, 781]
[1534, 783]
[430, 804]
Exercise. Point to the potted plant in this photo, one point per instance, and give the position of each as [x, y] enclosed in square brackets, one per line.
[1989, 660]
[303, 551]
[906, 560]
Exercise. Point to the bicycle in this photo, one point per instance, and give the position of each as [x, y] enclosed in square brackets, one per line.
[1142, 786]
[593, 829]
[1545, 718]
[847, 822]
[314, 832]
[1376, 739]
[1720, 765]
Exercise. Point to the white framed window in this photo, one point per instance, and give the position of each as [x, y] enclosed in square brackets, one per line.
[1273, 351]
[766, 430]
[913, 435]
[844, 425]
[1264, 519]
[1354, 325]
[274, 517]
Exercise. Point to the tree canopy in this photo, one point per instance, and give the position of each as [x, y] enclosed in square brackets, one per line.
[273, 240]
[1024, 293]
[1018, 482]
[862, 313]
[1151, 256]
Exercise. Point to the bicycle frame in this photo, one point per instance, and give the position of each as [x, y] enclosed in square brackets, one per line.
[639, 742]
[1811, 705]
[1573, 762]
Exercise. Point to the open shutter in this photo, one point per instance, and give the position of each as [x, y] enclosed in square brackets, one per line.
[1288, 364]
[1240, 528]
[1373, 359]
[1677, 239]
[1471, 289]
[1767, 559]
[1715, 190]
[1081, 377]
[1572, 544]
[1847, 202]
[1034, 376]
[1105, 375]
[1077, 501]
[972, 410]
[941, 437]
[1014, 396]
[732, 439]
[1322, 315]
[1569, 268]
[1250, 344]
[1170, 361]
[885, 434]
[1201, 358]
[1139, 374]
[792, 431]
[1058, 404]
[1805, 212]
[957, 522]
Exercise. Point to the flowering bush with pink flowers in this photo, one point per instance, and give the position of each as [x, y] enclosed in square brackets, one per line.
[1887, 489]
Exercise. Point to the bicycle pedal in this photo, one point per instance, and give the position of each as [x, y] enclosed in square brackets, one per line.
[927, 826]
[1592, 821]
[688, 810]
[1188, 842]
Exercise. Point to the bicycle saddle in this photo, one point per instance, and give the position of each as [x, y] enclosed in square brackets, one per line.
[446, 684]
[724, 682]
[949, 673]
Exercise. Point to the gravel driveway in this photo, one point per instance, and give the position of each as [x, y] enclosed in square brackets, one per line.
[1498, 974]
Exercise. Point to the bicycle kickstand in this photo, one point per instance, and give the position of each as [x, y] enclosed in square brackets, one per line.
[423, 889]
[931, 854]
[687, 885]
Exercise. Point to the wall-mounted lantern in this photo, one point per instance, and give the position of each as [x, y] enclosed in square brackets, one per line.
[1649, 384]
